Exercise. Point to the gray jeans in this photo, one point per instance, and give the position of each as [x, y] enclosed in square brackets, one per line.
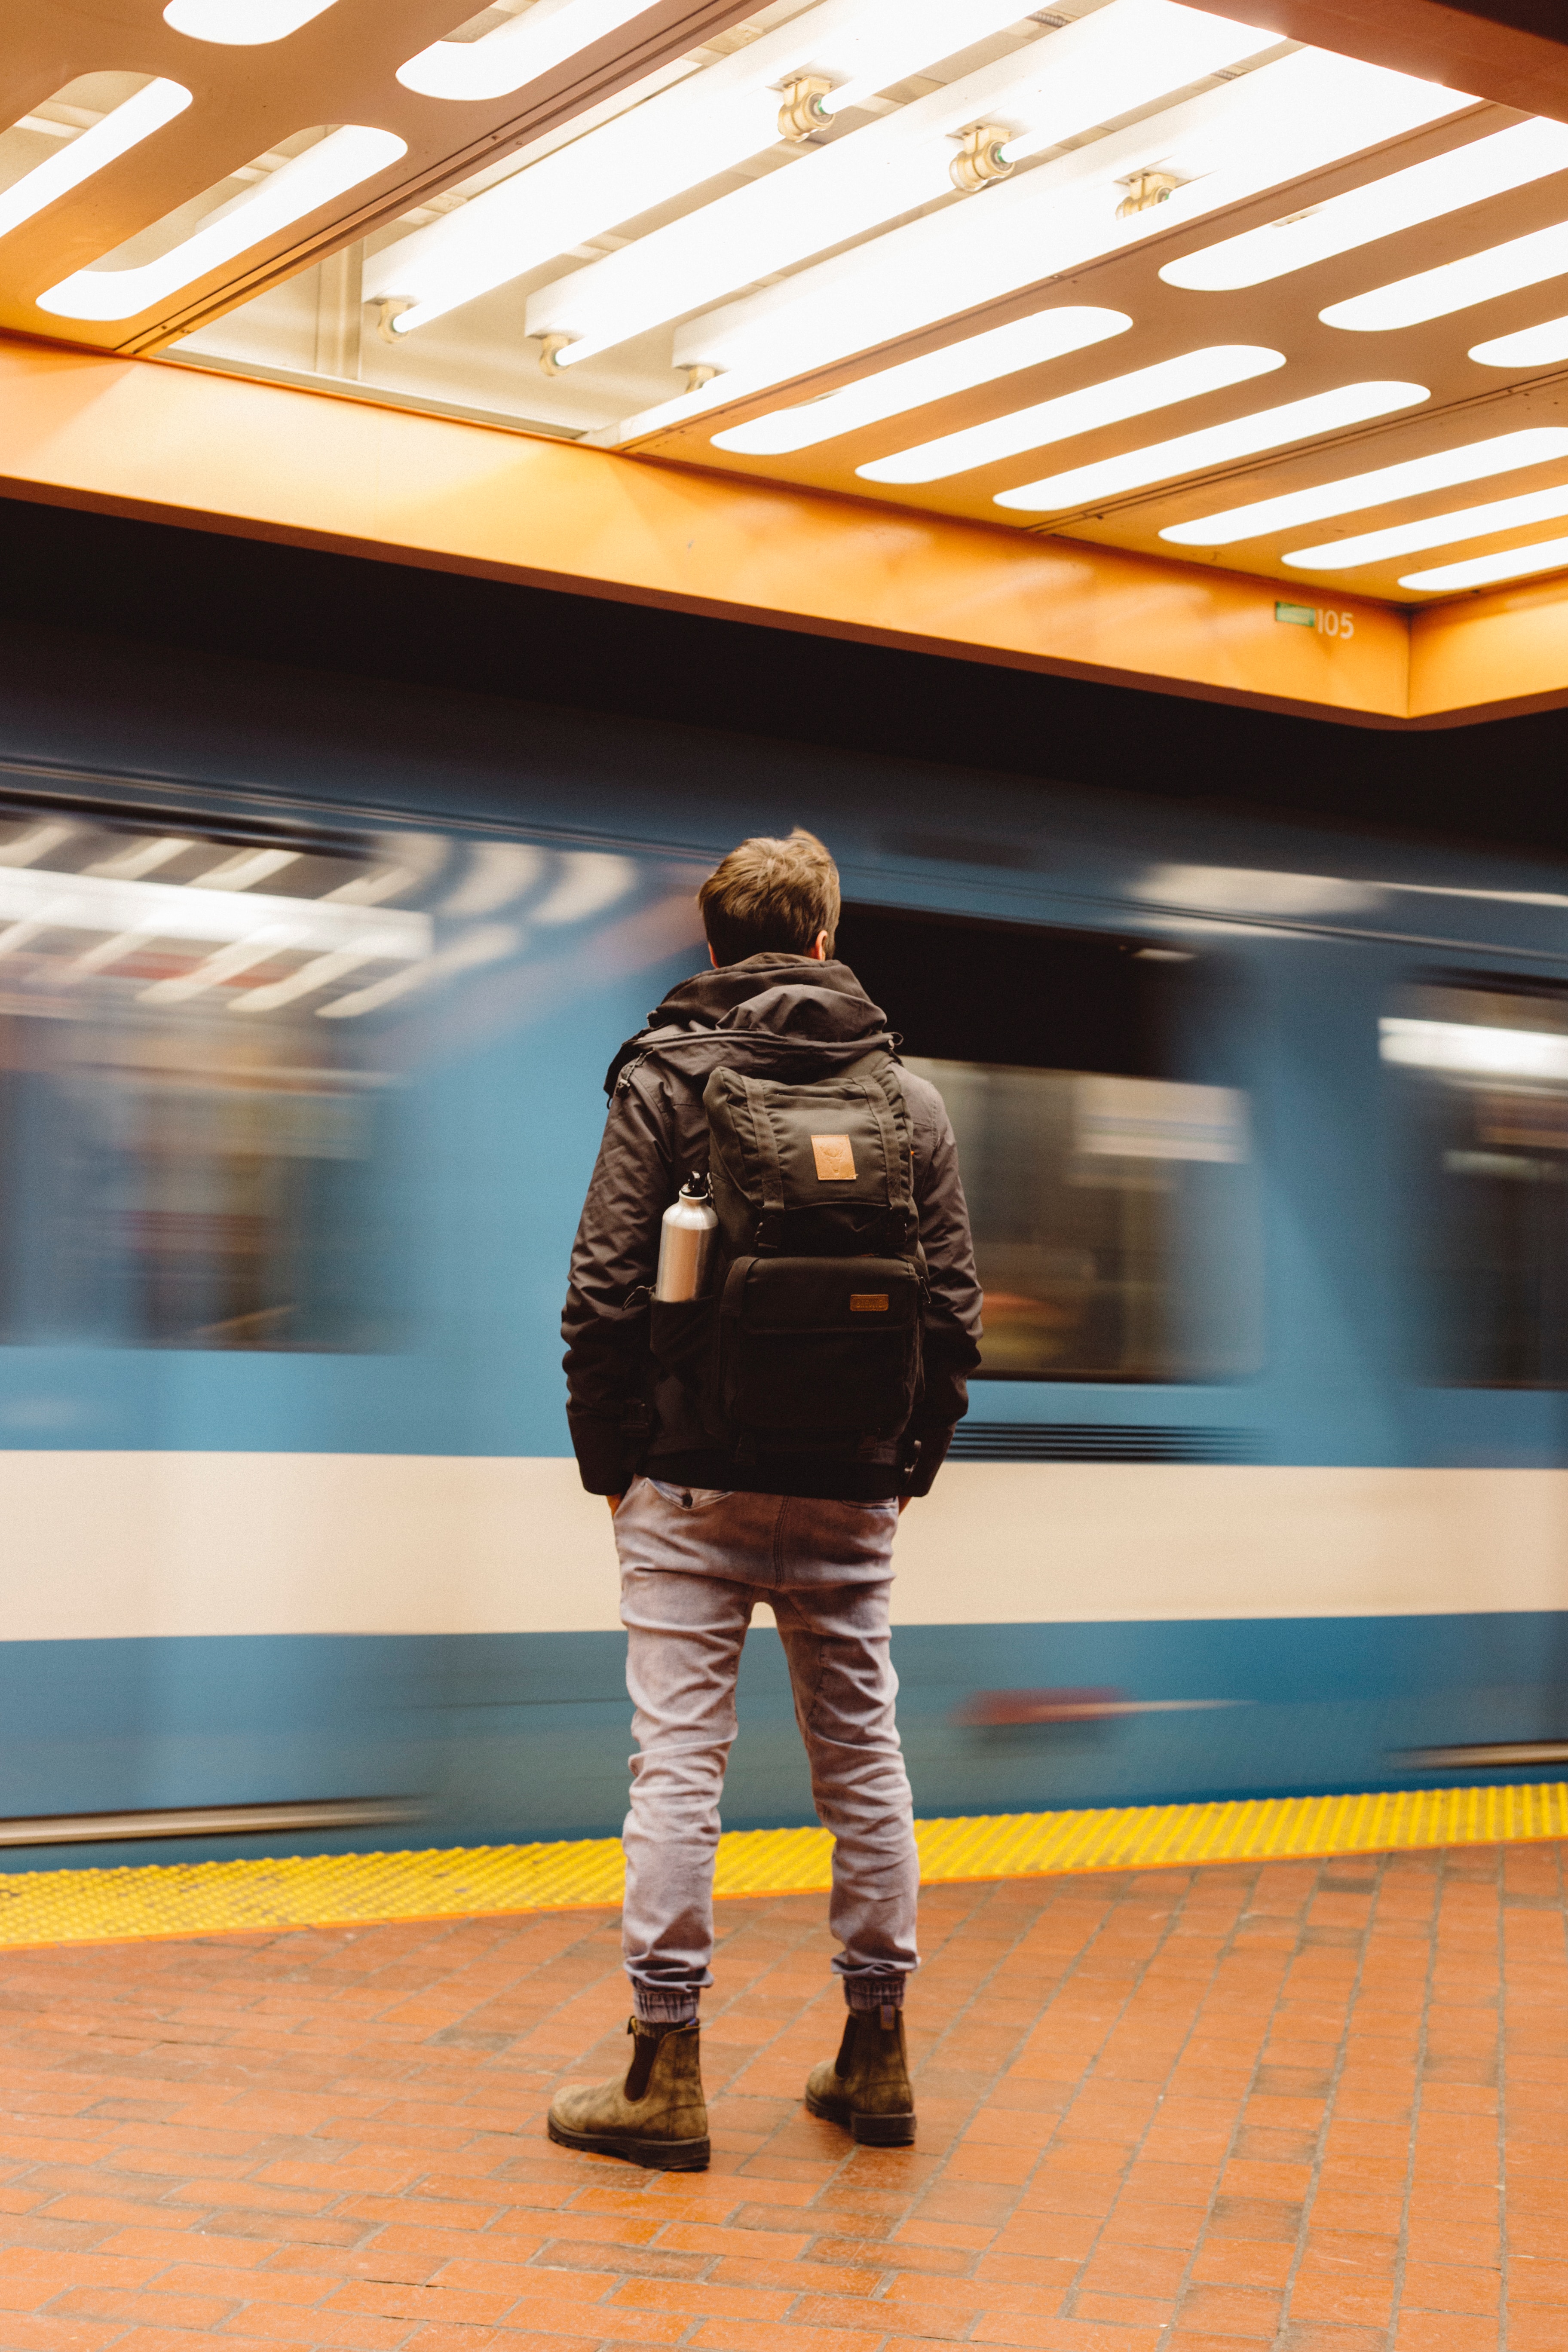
[694, 1566]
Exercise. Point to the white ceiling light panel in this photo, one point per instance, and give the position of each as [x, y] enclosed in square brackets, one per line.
[1124, 55]
[705, 126]
[1355, 493]
[1455, 285]
[242, 23]
[1275, 124]
[1446, 183]
[125, 127]
[1532, 346]
[512, 54]
[1436, 531]
[1216, 445]
[1485, 571]
[336, 164]
[1097, 404]
[978, 359]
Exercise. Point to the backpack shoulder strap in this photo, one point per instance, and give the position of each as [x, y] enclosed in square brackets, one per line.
[764, 1143]
[893, 1116]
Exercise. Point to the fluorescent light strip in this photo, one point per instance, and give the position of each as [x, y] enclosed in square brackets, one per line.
[1289, 118]
[512, 54]
[1216, 445]
[873, 56]
[120, 130]
[1487, 167]
[978, 359]
[1455, 285]
[1126, 55]
[1482, 570]
[1532, 346]
[1160, 386]
[553, 30]
[1167, 47]
[242, 23]
[1470, 1050]
[645, 157]
[1437, 530]
[336, 164]
[1534, 445]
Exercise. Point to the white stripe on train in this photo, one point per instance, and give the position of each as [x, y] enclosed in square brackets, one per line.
[125, 1544]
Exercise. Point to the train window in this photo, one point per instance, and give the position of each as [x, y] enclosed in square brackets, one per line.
[1110, 1196]
[179, 1177]
[1482, 1063]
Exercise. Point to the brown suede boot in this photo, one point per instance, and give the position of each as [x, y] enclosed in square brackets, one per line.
[656, 2116]
[866, 2087]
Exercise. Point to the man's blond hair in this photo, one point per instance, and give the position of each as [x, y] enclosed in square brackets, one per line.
[771, 896]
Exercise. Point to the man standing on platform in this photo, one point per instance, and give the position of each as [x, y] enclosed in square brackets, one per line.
[759, 1443]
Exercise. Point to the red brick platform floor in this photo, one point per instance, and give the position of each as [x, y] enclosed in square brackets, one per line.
[1313, 2106]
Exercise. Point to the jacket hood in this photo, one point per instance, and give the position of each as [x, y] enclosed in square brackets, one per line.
[765, 1012]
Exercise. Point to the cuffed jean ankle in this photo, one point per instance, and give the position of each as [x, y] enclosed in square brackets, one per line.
[693, 1566]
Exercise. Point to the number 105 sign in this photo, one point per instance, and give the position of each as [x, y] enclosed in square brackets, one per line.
[1314, 616]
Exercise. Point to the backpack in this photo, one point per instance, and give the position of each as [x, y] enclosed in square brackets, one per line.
[808, 1339]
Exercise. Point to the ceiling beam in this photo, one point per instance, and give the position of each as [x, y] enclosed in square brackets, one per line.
[167, 442]
[1515, 51]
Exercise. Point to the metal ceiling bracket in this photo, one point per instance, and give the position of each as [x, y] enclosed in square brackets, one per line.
[1145, 189]
[980, 160]
[548, 347]
[392, 307]
[801, 112]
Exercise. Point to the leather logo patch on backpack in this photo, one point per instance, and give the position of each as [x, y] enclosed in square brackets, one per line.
[867, 1302]
[835, 1159]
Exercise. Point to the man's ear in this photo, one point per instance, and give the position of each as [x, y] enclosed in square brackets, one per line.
[711, 957]
[818, 947]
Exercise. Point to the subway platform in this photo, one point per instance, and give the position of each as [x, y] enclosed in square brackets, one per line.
[1313, 2103]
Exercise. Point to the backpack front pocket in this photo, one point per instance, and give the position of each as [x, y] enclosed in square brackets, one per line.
[820, 1346]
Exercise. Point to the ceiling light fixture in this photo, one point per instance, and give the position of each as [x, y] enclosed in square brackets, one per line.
[1436, 531]
[978, 359]
[1160, 386]
[515, 54]
[1161, 47]
[1216, 445]
[242, 23]
[1447, 184]
[1124, 55]
[1455, 285]
[125, 127]
[706, 125]
[336, 164]
[1288, 118]
[1352, 493]
[1532, 346]
[1484, 571]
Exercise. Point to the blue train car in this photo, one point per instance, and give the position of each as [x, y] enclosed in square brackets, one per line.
[307, 985]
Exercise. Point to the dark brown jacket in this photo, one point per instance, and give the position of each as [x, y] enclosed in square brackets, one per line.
[776, 1016]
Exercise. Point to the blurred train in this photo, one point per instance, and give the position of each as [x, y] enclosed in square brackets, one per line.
[305, 1000]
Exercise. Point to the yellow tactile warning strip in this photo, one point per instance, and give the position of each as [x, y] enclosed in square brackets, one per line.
[74, 1907]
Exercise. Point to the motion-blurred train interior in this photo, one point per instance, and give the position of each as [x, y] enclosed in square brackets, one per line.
[304, 1012]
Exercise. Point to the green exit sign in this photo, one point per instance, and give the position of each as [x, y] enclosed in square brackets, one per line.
[1305, 617]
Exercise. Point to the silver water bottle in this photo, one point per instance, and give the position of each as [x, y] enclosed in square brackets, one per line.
[685, 1243]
